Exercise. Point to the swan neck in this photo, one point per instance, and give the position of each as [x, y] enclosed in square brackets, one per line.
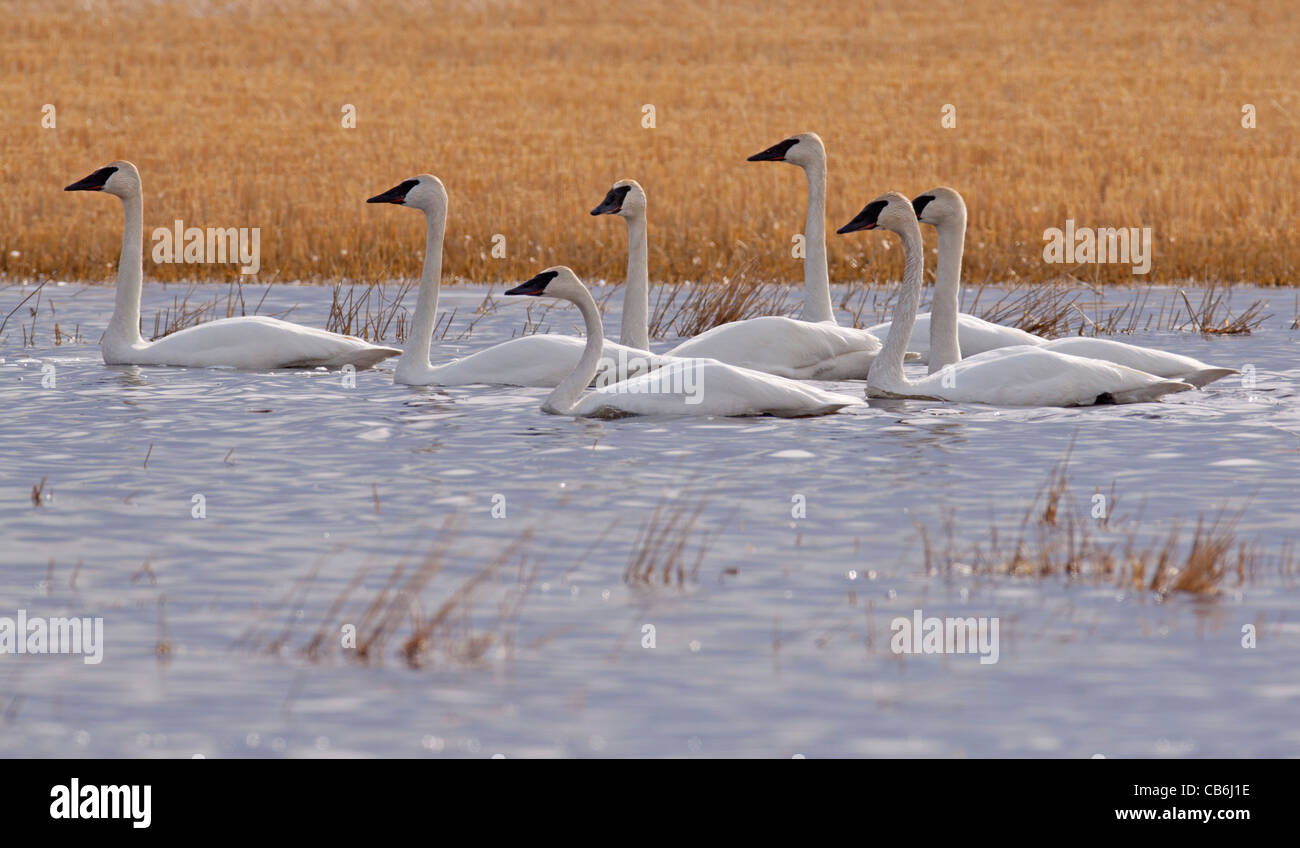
[124, 326]
[887, 371]
[564, 398]
[416, 354]
[816, 276]
[945, 344]
[635, 330]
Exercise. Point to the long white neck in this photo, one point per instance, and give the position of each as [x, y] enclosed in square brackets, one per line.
[124, 326]
[887, 371]
[945, 344]
[816, 277]
[635, 331]
[415, 356]
[564, 397]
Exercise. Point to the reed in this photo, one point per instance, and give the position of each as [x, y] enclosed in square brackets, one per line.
[1056, 541]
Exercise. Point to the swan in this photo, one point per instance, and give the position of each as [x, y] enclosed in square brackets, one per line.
[807, 151]
[250, 342]
[814, 348]
[626, 199]
[939, 346]
[682, 387]
[1020, 375]
[944, 209]
[537, 360]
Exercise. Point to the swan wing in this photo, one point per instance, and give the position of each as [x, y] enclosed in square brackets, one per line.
[1158, 362]
[257, 342]
[540, 360]
[787, 347]
[1035, 376]
[703, 387]
[975, 334]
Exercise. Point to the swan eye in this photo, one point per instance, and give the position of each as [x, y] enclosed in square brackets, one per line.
[919, 204]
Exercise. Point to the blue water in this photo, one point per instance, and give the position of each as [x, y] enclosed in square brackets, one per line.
[780, 645]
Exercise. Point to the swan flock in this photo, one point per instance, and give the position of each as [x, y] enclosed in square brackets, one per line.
[757, 366]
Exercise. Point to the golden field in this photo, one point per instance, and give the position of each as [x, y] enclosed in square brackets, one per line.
[1110, 113]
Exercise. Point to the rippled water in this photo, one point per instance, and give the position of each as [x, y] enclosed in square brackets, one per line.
[780, 645]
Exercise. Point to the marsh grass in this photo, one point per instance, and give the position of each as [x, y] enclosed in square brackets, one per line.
[458, 626]
[39, 496]
[181, 314]
[684, 309]
[384, 312]
[662, 551]
[1059, 539]
[1102, 112]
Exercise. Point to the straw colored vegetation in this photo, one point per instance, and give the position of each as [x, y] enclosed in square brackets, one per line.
[1109, 113]
[367, 621]
[1061, 538]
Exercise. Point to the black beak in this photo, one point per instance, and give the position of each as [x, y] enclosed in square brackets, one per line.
[919, 203]
[396, 194]
[775, 153]
[866, 219]
[613, 202]
[535, 286]
[94, 182]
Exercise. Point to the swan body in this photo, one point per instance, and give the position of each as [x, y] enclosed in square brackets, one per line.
[1161, 363]
[786, 347]
[250, 342]
[697, 387]
[975, 334]
[538, 360]
[253, 343]
[1022, 375]
[813, 348]
[945, 209]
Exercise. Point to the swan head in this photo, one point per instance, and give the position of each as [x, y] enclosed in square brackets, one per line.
[424, 192]
[939, 206]
[558, 281]
[625, 198]
[118, 178]
[891, 211]
[804, 149]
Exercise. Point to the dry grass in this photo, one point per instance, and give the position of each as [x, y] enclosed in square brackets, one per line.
[1110, 113]
[1059, 538]
[684, 310]
[182, 314]
[391, 619]
[660, 553]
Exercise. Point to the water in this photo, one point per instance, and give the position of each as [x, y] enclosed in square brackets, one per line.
[779, 647]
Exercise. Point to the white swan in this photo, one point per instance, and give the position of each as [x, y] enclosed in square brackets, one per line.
[682, 387]
[1022, 375]
[813, 348]
[807, 151]
[537, 360]
[938, 346]
[945, 209]
[251, 342]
